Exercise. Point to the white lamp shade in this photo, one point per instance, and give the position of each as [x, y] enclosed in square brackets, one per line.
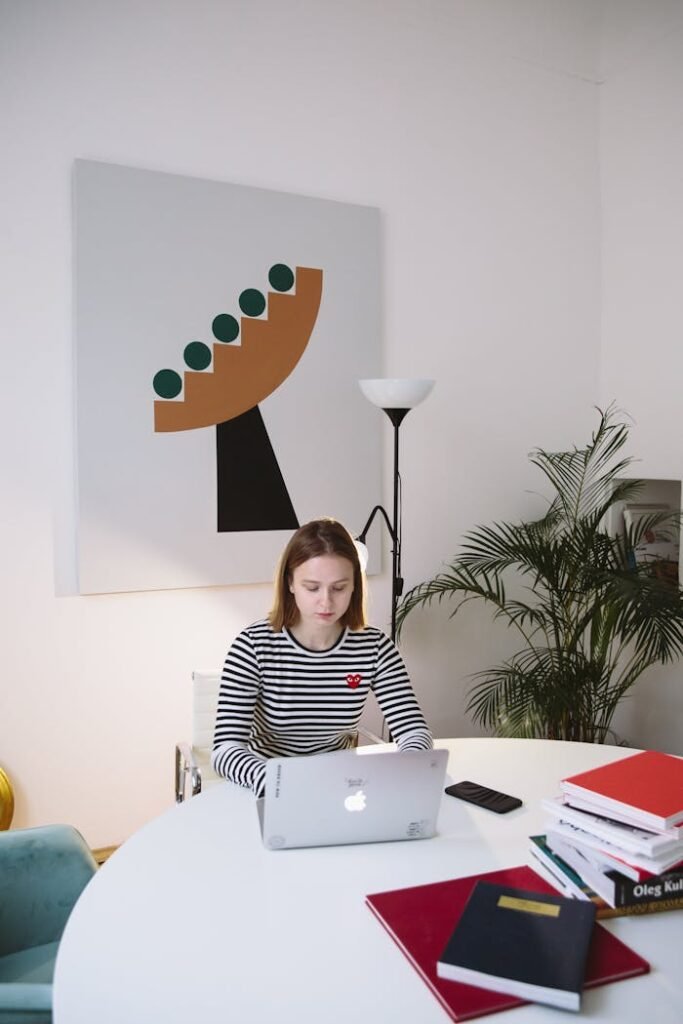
[363, 554]
[396, 392]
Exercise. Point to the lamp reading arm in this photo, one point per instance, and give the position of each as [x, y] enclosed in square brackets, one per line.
[364, 532]
[397, 582]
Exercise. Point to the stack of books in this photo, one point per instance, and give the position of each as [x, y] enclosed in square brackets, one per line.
[614, 835]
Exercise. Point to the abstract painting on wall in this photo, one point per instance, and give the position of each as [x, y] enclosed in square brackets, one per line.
[221, 331]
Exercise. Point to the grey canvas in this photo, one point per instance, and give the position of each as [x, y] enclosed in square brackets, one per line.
[157, 257]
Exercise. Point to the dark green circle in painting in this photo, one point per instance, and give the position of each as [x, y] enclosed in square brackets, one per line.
[225, 328]
[167, 384]
[281, 277]
[197, 355]
[252, 302]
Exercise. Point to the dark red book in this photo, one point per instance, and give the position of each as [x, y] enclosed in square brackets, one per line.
[421, 920]
[648, 786]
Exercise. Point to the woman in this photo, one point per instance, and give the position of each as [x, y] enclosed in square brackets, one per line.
[297, 682]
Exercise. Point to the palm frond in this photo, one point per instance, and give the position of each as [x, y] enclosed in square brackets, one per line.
[582, 476]
[458, 584]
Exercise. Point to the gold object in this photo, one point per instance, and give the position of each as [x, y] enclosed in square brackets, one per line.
[104, 853]
[6, 801]
[529, 906]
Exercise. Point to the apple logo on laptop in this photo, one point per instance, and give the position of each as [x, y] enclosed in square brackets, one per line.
[356, 801]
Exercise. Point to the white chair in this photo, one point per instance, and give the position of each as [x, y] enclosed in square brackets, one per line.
[193, 769]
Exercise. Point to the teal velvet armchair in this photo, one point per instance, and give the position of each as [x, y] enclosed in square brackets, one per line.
[42, 873]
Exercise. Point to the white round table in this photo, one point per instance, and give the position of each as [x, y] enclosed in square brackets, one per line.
[192, 919]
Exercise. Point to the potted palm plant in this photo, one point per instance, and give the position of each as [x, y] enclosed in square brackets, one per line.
[590, 617]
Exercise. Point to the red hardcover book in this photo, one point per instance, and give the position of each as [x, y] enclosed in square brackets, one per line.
[421, 920]
[648, 785]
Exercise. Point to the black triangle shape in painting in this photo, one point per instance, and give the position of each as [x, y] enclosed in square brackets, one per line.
[252, 494]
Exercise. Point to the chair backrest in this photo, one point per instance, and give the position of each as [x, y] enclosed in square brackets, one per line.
[43, 871]
[205, 687]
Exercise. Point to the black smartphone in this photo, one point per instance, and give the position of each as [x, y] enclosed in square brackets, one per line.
[482, 796]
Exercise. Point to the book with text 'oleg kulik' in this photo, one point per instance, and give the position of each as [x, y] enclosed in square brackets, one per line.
[523, 943]
[658, 894]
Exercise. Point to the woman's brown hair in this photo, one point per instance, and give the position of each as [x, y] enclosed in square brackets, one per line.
[319, 537]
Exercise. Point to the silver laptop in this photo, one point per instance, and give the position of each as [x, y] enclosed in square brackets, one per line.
[347, 797]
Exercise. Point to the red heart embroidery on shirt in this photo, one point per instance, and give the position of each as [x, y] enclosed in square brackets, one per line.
[353, 680]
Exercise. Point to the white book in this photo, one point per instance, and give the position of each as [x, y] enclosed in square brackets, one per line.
[618, 859]
[604, 862]
[576, 859]
[596, 857]
[544, 872]
[544, 865]
[581, 804]
[631, 838]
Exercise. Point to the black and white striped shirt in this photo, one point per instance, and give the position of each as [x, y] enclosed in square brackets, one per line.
[279, 699]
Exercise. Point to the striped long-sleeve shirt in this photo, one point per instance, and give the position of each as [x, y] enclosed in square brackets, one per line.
[279, 699]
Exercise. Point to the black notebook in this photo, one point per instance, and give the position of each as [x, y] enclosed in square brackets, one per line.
[526, 944]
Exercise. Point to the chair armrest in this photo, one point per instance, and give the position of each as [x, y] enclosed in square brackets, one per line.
[25, 1000]
[373, 737]
[186, 766]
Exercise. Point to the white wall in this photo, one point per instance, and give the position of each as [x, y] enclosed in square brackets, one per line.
[641, 159]
[473, 125]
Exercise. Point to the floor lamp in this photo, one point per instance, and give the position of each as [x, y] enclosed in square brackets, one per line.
[396, 396]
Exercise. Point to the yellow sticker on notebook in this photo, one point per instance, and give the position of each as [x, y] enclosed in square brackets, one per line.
[529, 906]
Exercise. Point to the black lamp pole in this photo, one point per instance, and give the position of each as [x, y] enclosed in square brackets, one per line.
[396, 397]
[393, 525]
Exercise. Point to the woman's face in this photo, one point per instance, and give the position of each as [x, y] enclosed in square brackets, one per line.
[322, 589]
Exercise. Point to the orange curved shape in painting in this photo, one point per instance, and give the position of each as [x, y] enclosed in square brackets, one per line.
[244, 374]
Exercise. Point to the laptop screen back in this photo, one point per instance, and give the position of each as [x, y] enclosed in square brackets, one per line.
[347, 797]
